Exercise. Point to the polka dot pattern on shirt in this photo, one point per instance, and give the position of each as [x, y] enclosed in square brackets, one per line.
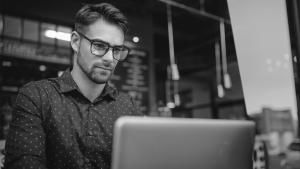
[55, 126]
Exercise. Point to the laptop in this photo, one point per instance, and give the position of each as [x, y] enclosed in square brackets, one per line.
[178, 143]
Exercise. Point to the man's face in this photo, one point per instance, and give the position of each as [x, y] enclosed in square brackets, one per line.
[99, 69]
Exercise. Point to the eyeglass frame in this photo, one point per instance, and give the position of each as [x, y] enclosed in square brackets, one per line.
[106, 43]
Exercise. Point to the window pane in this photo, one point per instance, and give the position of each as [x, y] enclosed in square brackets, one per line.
[31, 29]
[12, 27]
[46, 27]
[1, 24]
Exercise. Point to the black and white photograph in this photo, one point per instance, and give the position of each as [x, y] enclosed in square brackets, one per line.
[150, 84]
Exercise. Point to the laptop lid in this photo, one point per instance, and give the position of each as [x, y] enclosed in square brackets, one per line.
[177, 143]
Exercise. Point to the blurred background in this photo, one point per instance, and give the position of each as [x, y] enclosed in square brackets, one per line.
[189, 59]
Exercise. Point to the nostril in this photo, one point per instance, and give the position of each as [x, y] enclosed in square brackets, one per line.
[107, 63]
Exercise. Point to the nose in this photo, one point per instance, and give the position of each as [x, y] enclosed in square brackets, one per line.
[108, 56]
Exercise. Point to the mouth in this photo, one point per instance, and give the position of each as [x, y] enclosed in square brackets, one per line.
[104, 68]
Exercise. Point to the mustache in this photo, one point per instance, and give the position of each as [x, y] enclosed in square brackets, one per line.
[108, 66]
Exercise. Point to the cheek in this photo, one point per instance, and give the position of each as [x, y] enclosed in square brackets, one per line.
[85, 60]
[115, 62]
[86, 56]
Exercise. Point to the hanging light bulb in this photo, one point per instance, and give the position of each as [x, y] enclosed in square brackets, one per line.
[227, 81]
[226, 76]
[174, 68]
[171, 105]
[173, 73]
[220, 89]
[221, 92]
[176, 93]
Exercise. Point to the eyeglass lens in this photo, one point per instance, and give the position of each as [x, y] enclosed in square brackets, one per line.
[100, 49]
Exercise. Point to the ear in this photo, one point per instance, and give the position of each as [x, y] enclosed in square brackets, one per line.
[75, 41]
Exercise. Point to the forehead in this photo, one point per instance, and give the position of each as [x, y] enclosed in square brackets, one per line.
[106, 31]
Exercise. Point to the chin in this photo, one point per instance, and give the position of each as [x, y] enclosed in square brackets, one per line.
[100, 79]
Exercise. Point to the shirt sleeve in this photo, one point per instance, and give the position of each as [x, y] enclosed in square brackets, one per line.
[25, 144]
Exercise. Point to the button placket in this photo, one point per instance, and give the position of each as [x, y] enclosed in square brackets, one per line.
[89, 128]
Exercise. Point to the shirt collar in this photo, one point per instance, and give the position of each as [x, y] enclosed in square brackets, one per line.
[67, 84]
[109, 91]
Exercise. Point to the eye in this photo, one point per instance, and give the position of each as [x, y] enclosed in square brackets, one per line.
[118, 49]
[99, 46]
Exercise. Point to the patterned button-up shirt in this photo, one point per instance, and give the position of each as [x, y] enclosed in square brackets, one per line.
[55, 127]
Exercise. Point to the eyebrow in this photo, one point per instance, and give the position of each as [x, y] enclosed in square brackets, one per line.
[98, 40]
[102, 41]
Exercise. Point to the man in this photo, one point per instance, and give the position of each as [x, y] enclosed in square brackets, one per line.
[67, 122]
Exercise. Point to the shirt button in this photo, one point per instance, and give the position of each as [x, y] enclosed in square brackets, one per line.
[90, 133]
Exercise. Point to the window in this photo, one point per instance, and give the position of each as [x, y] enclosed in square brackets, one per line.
[31, 29]
[12, 27]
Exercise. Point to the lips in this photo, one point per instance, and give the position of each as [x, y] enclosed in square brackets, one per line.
[104, 68]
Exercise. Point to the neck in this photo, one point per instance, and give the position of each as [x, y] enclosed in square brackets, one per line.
[87, 87]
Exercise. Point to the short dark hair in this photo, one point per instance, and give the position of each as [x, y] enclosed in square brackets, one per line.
[89, 13]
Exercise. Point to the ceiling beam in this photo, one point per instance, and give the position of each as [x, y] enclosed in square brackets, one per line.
[195, 11]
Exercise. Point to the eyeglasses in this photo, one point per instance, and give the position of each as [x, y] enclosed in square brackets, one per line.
[100, 48]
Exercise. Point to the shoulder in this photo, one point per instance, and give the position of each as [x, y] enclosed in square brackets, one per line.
[124, 99]
[36, 84]
[123, 96]
[128, 102]
[37, 87]
[36, 95]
